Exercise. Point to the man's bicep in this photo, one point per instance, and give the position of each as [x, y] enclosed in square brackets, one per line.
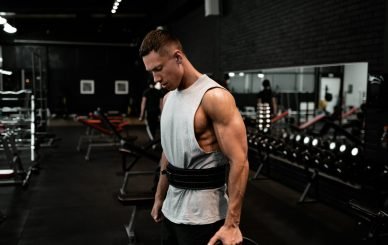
[229, 129]
[232, 139]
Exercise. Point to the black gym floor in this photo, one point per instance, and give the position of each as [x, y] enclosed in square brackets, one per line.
[73, 201]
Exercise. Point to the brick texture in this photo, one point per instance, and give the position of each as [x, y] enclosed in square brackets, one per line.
[280, 33]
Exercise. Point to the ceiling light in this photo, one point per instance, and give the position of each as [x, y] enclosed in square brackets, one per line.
[7, 14]
[9, 29]
[3, 20]
[113, 11]
[5, 72]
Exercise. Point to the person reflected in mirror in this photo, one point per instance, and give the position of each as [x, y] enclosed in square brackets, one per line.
[266, 95]
[150, 109]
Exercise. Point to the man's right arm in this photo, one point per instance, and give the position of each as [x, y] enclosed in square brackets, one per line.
[162, 187]
[161, 191]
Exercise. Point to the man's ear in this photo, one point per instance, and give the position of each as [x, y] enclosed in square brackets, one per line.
[178, 60]
[178, 57]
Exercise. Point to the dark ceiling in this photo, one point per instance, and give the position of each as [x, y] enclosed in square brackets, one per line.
[90, 20]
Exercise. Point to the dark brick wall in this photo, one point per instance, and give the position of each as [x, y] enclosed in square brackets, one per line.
[279, 33]
[199, 36]
[282, 33]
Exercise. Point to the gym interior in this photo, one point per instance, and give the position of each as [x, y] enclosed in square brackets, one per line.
[77, 165]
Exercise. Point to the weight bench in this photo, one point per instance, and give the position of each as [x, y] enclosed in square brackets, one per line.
[104, 138]
[131, 151]
[135, 154]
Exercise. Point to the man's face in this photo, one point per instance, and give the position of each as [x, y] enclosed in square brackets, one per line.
[165, 69]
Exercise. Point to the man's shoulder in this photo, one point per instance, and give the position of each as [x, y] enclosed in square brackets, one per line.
[216, 90]
[218, 103]
[217, 96]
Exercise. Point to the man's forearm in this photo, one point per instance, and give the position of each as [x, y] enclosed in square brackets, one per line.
[238, 177]
[163, 181]
[162, 188]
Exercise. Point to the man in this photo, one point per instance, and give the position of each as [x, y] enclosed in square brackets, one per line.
[201, 132]
[267, 96]
[150, 109]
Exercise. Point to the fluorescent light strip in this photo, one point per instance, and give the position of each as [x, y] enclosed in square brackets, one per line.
[3, 20]
[5, 72]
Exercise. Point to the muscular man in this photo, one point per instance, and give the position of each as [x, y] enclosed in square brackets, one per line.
[202, 133]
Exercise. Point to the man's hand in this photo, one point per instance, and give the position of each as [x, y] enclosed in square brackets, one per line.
[156, 211]
[227, 235]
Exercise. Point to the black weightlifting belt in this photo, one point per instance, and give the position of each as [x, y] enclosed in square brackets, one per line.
[196, 179]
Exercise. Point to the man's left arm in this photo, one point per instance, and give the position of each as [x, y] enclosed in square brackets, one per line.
[230, 131]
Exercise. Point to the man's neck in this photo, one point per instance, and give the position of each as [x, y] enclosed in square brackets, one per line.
[190, 77]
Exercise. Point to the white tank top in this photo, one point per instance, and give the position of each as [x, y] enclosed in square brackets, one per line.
[181, 148]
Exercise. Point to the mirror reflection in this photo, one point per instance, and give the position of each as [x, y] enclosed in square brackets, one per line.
[304, 92]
